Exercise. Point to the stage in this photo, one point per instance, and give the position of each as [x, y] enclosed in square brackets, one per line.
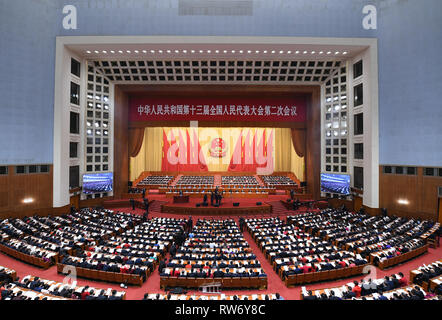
[246, 206]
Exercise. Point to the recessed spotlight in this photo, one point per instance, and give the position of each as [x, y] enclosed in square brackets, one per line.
[201, 51]
[337, 52]
[209, 51]
[313, 52]
[321, 52]
[28, 200]
[249, 51]
[328, 52]
[168, 51]
[136, 51]
[152, 51]
[265, 51]
[281, 51]
[120, 51]
[297, 51]
[193, 51]
[96, 51]
[289, 52]
[257, 51]
[403, 201]
[225, 51]
[160, 51]
[233, 51]
[305, 52]
[87, 51]
[240, 51]
[184, 51]
[104, 51]
[176, 51]
[144, 51]
[112, 51]
[345, 52]
[273, 51]
[128, 51]
[216, 51]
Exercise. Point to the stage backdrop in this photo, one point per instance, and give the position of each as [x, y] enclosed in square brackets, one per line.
[217, 108]
[187, 149]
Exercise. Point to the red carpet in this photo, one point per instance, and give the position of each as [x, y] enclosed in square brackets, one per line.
[275, 284]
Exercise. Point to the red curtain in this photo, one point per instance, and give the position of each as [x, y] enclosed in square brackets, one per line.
[298, 139]
[136, 136]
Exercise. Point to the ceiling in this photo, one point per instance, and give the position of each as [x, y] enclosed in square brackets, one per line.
[216, 63]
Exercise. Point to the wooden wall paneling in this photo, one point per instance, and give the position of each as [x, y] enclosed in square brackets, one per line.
[440, 210]
[121, 143]
[419, 190]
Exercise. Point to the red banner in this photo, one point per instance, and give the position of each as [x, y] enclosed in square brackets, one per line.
[217, 109]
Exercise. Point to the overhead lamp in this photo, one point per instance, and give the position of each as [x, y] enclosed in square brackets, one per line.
[152, 51]
[136, 51]
[403, 201]
[112, 51]
[28, 200]
[96, 51]
[87, 51]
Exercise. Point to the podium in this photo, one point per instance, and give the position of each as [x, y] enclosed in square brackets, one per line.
[180, 199]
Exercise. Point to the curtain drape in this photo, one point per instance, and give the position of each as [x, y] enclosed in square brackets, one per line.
[298, 140]
[136, 137]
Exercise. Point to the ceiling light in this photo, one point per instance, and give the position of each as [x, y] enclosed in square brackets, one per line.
[403, 201]
[28, 200]
[297, 51]
[88, 51]
[337, 52]
[184, 51]
[345, 52]
[120, 51]
[281, 51]
[313, 52]
[249, 51]
[176, 51]
[152, 51]
[328, 52]
[225, 51]
[193, 51]
[201, 51]
[273, 51]
[209, 51]
[168, 51]
[321, 52]
[104, 51]
[144, 51]
[305, 52]
[136, 51]
[128, 51]
[240, 51]
[96, 51]
[265, 51]
[257, 51]
[216, 51]
[233, 51]
[112, 51]
[288, 52]
[160, 51]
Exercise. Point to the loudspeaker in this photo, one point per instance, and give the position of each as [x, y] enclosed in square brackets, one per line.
[236, 204]
[259, 203]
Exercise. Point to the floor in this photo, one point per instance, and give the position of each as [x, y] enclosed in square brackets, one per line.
[275, 284]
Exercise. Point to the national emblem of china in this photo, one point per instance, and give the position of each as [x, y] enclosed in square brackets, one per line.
[218, 148]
